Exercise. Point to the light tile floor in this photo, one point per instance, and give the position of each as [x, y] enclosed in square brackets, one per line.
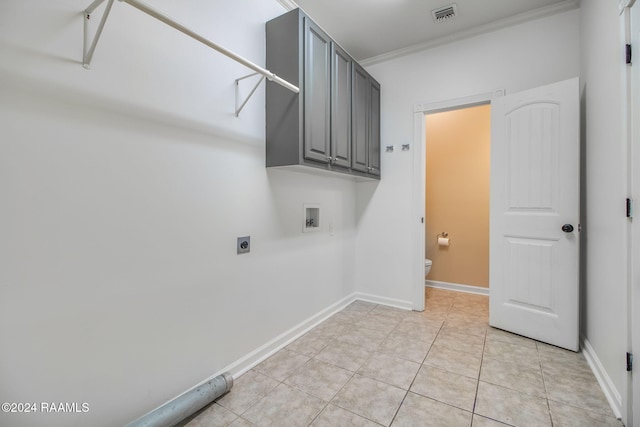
[371, 365]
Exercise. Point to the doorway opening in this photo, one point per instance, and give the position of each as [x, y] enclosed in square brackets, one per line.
[457, 173]
[421, 111]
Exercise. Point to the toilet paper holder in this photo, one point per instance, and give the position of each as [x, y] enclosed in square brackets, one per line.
[443, 239]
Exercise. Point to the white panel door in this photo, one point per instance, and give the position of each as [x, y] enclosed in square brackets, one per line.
[535, 211]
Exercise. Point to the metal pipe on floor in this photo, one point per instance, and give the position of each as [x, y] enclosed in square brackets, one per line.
[186, 404]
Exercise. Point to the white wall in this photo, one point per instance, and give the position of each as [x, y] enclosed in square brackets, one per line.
[515, 58]
[605, 284]
[122, 192]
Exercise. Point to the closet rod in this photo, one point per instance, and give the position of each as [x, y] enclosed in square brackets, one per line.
[163, 18]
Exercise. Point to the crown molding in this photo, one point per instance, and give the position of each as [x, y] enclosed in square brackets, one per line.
[542, 12]
[623, 4]
[288, 4]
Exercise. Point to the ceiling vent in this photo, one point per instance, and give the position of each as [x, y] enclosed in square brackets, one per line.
[445, 13]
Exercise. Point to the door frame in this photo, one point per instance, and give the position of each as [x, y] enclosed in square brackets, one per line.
[419, 173]
[630, 13]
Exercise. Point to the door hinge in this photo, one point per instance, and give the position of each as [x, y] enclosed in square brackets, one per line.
[628, 53]
[629, 207]
[629, 362]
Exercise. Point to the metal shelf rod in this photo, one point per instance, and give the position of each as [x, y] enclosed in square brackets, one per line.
[93, 6]
[163, 18]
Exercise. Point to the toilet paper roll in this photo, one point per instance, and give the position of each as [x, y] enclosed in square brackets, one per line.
[443, 241]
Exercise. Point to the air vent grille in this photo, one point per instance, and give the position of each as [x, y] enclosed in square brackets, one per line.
[445, 13]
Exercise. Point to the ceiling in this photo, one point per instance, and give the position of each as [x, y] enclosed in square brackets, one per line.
[379, 29]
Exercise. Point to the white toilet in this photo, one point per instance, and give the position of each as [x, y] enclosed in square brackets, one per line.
[427, 266]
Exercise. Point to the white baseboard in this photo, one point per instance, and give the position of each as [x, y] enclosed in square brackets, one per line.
[456, 287]
[263, 352]
[611, 393]
[247, 362]
[250, 360]
[391, 302]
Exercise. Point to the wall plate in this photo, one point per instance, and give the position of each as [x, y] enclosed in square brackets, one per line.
[311, 213]
[244, 245]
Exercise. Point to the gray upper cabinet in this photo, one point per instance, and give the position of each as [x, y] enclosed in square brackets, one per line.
[317, 93]
[316, 127]
[365, 122]
[341, 66]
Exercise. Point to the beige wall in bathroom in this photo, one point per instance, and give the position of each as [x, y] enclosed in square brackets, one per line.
[457, 194]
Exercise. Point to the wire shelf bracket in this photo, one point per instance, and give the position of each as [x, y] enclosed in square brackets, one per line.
[89, 46]
[241, 106]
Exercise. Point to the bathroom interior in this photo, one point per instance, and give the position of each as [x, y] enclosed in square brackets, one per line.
[457, 199]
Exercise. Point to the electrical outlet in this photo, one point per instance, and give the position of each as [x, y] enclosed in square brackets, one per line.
[244, 245]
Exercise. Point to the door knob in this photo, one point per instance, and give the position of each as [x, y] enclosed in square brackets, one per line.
[567, 228]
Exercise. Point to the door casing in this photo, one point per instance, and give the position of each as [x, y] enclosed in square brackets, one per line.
[419, 171]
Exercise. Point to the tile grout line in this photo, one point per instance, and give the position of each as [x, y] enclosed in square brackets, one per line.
[421, 365]
[544, 382]
[294, 386]
[475, 399]
[353, 373]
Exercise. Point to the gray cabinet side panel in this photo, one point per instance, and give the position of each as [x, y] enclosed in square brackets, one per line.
[374, 135]
[283, 110]
[360, 119]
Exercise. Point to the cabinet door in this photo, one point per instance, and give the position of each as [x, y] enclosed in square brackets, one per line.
[317, 81]
[360, 119]
[374, 130]
[341, 64]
